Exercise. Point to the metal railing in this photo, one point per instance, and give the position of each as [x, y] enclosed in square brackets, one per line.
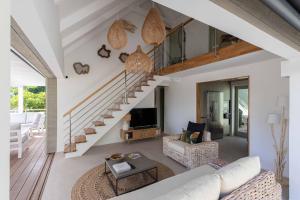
[188, 40]
[100, 102]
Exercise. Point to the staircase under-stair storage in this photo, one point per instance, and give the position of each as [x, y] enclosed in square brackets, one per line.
[94, 116]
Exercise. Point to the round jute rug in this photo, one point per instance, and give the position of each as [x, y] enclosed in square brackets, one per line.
[94, 184]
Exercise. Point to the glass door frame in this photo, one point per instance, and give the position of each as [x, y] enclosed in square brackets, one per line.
[236, 110]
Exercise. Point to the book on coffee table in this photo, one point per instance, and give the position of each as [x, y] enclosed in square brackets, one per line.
[121, 167]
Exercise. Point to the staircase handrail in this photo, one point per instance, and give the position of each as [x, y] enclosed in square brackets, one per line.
[92, 94]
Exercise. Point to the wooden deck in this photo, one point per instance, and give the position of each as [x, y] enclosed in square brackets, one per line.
[28, 174]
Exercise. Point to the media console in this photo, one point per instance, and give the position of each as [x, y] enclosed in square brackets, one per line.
[139, 134]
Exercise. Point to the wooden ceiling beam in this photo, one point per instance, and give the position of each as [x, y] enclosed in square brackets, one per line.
[224, 53]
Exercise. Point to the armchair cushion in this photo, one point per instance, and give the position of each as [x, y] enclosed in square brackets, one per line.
[15, 126]
[196, 127]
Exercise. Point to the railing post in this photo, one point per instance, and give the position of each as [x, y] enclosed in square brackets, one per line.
[215, 41]
[125, 97]
[182, 44]
[70, 132]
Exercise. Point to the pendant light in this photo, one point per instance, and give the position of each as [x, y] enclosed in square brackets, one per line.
[117, 36]
[138, 61]
[154, 29]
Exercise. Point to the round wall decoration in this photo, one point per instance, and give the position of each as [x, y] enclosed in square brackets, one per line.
[80, 68]
[103, 52]
[154, 29]
[123, 57]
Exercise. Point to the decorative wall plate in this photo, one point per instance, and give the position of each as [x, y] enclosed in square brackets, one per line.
[103, 52]
[123, 56]
[80, 68]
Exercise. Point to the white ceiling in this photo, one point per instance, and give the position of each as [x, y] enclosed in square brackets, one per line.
[22, 74]
[79, 18]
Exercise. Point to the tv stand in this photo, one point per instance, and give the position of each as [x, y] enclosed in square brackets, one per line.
[139, 134]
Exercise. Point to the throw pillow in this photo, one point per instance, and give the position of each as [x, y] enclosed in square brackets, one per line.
[194, 137]
[188, 136]
[183, 136]
[197, 127]
[238, 173]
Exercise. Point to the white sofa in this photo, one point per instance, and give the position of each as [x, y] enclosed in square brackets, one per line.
[240, 180]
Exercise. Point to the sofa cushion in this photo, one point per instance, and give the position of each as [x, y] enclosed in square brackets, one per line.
[176, 146]
[18, 118]
[162, 187]
[205, 187]
[238, 173]
[15, 126]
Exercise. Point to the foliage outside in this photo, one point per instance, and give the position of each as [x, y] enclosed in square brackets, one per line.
[34, 98]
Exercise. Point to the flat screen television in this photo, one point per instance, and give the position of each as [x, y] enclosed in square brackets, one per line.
[143, 118]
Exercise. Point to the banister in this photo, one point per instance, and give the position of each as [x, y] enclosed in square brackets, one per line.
[92, 94]
[172, 31]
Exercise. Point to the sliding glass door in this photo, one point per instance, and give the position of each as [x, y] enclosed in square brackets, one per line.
[241, 111]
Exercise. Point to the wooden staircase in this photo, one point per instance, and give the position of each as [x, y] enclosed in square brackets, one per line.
[88, 122]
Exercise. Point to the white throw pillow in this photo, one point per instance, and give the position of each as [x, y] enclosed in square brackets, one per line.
[205, 187]
[238, 173]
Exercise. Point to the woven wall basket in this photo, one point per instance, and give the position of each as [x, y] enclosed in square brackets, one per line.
[138, 61]
[153, 31]
[116, 35]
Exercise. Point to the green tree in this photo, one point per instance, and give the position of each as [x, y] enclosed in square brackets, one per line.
[35, 89]
[34, 98]
[13, 98]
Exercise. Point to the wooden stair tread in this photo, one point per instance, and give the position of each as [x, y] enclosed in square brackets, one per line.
[107, 116]
[67, 148]
[115, 109]
[80, 139]
[129, 96]
[90, 131]
[98, 123]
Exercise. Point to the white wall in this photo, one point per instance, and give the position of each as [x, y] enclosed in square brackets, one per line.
[291, 69]
[4, 98]
[265, 85]
[77, 87]
[39, 20]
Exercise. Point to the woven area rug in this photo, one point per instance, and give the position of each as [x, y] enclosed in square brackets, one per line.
[94, 184]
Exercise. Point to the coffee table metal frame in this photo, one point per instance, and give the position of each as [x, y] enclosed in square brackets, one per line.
[115, 186]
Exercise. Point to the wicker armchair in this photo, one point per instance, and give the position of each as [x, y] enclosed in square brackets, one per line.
[190, 155]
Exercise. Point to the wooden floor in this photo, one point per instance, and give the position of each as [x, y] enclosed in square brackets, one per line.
[28, 174]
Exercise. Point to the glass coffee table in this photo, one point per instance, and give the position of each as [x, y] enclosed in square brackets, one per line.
[139, 165]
